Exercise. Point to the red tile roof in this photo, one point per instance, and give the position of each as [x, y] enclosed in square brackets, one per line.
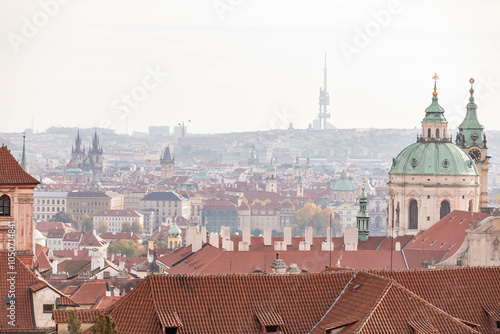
[89, 293]
[227, 303]
[461, 292]
[11, 171]
[84, 315]
[373, 304]
[66, 301]
[105, 302]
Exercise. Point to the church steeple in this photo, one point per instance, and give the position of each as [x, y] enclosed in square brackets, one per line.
[363, 218]
[23, 158]
[434, 124]
[470, 130]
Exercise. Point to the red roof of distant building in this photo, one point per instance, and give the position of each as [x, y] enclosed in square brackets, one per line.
[89, 293]
[11, 171]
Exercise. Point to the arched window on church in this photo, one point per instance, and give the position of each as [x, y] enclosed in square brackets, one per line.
[413, 215]
[5, 205]
[429, 133]
[470, 206]
[437, 133]
[445, 209]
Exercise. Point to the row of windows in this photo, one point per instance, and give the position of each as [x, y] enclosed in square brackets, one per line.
[54, 209]
[5, 205]
[96, 203]
[42, 201]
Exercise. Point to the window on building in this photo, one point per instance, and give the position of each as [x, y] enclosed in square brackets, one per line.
[437, 133]
[5, 205]
[470, 206]
[429, 133]
[445, 209]
[413, 214]
[47, 308]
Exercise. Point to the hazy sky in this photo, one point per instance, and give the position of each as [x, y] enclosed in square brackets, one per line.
[243, 65]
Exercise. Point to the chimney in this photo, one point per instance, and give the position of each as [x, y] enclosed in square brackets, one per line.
[280, 246]
[351, 238]
[190, 233]
[113, 257]
[278, 266]
[293, 269]
[204, 234]
[116, 292]
[151, 245]
[197, 243]
[287, 233]
[227, 245]
[309, 235]
[398, 247]
[246, 235]
[327, 244]
[121, 264]
[214, 239]
[304, 246]
[267, 235]
[243, 246]
[54, 267]
[225, 232]
[75, 252]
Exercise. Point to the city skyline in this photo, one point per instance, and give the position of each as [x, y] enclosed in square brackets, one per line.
[239, 66]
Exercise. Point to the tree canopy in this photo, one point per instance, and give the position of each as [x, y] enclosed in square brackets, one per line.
[124, 247]
[319, 219]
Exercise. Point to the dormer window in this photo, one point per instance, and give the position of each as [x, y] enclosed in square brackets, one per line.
[5, 205]
[269, 322]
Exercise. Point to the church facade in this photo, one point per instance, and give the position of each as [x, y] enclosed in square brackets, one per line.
[85, 166]
[434, 176]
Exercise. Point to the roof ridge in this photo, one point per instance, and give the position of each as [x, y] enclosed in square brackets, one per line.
[375, 305]
[427, 303]
[335, 302]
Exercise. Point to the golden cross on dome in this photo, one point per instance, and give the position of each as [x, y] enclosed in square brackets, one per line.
[471, 85]
[435, 78]
[496, 197]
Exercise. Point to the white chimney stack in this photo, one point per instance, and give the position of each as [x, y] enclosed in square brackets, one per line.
[287, 232]
[398, 247]
[309, 235]
[197, 243]
[267, 235]
[214, 239]
[190, 233]
[54, 267]
[351, 238]
[204, 234]
[243, 246]
[246, 235]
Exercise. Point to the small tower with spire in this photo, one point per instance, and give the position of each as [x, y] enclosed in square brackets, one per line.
[167, 163]
[78, 151]
[434, 124]
[297, 168]
[23, 158]
[324, 101]
[95, 157]
[271, 178]
[363, 218]
[472, 139]
[300, 186]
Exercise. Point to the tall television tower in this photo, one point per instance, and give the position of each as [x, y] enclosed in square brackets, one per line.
[324, 101]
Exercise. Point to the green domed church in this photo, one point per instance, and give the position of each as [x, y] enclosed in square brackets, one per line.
[434, 176]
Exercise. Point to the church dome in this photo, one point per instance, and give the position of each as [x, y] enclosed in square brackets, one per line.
[343, 184]
[174, 231]
[433, 158]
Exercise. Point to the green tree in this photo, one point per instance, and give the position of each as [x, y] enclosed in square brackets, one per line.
[319, 219]
[87, 225]
[74, 324]
[102, 227]
[66, 218]
[136, 227]
[126, 227]
[256, 232]
[124, 247]
[104, 325]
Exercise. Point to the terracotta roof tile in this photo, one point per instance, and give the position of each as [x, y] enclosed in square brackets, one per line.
[84, 315]
[227, 303]
[11, 171]
[89, 293]
[66, 301]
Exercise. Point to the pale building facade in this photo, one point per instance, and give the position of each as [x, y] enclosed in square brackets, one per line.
[47, 204]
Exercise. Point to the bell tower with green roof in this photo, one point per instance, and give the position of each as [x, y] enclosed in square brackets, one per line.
[472, 139]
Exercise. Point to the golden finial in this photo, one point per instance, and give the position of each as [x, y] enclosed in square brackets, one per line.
[471, 85]
[435, 78]
[363, 182]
